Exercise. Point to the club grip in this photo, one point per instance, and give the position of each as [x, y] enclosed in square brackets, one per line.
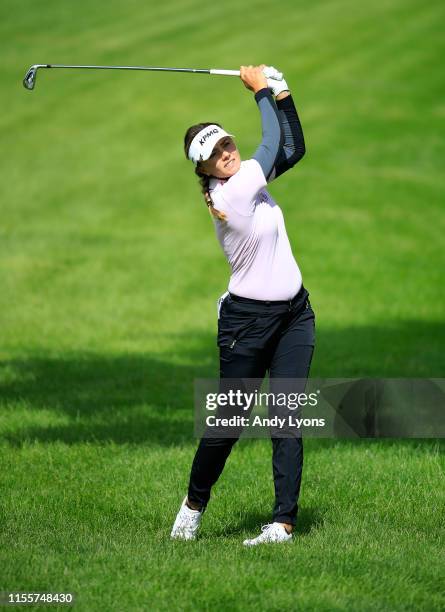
[278, 77]
[224, 72]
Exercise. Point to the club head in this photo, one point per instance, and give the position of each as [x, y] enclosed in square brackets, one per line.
[30, 78]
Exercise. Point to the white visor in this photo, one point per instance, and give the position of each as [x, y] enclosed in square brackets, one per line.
[202, 145]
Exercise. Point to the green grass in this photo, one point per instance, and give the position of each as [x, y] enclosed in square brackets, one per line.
[110, 271]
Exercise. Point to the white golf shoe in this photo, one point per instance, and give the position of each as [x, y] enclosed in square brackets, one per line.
[274, 532]
[187, 523]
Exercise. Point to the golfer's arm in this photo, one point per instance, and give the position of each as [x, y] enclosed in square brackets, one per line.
[293, 147]
[272, 137]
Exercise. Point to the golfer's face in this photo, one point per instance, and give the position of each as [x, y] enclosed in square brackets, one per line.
[224, 161]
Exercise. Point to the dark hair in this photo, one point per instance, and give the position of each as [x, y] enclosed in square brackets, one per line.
[203, 178]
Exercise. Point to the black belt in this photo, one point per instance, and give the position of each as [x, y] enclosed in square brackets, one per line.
[291, 302]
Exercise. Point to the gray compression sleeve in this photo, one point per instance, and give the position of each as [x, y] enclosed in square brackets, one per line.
[272, 141]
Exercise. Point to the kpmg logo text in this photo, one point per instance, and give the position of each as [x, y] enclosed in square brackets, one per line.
[207, 135]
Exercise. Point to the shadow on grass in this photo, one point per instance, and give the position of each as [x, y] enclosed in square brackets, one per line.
[308, 520]
[134, 398]
[148, 398]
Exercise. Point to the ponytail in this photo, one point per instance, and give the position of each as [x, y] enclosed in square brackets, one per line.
[203, 178]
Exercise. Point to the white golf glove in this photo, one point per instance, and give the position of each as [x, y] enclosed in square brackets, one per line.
[275, 80]
[272, 73]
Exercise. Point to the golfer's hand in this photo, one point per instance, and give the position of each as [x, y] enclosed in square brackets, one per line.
[253, 77]
[276, 82]
[270, 72]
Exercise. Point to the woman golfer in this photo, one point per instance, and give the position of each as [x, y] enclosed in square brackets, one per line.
[265, 321]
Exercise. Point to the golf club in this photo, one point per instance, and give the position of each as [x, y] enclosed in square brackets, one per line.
[30, 78]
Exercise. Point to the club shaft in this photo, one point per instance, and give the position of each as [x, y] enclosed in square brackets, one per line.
[30, 77]
[152, 68]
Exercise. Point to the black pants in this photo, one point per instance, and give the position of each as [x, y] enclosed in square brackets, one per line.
[255, 337]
